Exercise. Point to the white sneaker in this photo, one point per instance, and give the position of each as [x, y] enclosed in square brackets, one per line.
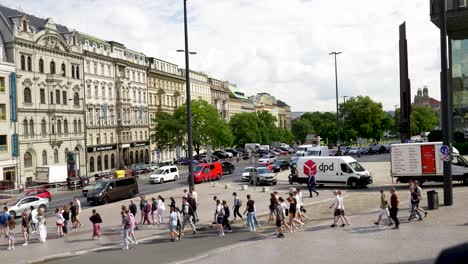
[125, 248]
[13, 247]
[25, 244]
[9, 248]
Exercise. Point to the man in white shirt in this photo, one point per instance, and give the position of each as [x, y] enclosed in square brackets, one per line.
[343, 215]
[337, 204]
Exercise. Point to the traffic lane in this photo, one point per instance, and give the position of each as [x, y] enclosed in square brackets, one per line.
[165, 251]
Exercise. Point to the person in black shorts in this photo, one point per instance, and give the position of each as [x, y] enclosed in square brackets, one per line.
[279, 218]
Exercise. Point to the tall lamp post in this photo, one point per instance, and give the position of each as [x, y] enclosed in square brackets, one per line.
[189, 106]
[337, 110]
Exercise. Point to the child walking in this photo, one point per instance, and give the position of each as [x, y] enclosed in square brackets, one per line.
[96, 220]
[11, 232]
[25, 227]
[59, 222]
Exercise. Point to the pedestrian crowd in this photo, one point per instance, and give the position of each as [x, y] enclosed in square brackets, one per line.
[287, 213]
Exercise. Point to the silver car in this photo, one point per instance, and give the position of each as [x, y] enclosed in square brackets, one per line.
[245, 176]
[18, 207]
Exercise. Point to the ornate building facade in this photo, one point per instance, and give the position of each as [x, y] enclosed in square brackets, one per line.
[49, 78]
[166, 92]
[220, 97]
[199, 86]
[101, 112]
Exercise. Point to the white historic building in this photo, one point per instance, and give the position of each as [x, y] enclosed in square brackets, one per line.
[101, 112]
[199, 86]
[48, 60]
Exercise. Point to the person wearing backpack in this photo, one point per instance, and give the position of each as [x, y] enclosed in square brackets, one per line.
[237, 206]
[96, 220]
[187, 214]
[219, 215]
[146, 211]
[227, 213]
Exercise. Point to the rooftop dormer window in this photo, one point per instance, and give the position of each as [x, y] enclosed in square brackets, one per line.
[25, 26]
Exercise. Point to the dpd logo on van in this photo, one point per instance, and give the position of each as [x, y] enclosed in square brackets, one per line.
[310, 168]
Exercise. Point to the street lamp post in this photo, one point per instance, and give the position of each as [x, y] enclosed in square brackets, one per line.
[337, 110]
[189, 107]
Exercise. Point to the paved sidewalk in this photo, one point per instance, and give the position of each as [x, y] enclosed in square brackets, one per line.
[80, 239]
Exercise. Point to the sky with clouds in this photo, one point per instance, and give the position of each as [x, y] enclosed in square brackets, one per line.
[275, 46]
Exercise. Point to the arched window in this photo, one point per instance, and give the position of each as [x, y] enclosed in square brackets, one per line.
[28, 160]
[141, 157]
[65, 127]
[77, 74]
[99, 163]
[41, 65]
[25, 26]
[131, 157]
[64, 70]
[56, 157]
[136, 157]
[31, 127]
[106, 162]
[75, 126]
[23, 63]
[66, 154]
[52, 67]
[73, 71]
[27, 95]
[59, 127]
[76, 99]
[112, 161]
[29, 63]
[25, 128]
[43, 128]
[79, 125]
[91, 164]
[44, 157]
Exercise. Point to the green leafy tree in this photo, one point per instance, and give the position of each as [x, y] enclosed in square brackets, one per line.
[245, 128]
[267, 126]
[169, 131]
[423, 119]
[301, 128]
[366, 117]
[207, 126]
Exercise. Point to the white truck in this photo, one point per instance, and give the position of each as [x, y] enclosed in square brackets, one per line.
[423, 162]
[342, 170]
[51, 174]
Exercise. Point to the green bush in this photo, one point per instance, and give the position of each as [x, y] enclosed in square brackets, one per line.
[462, 148]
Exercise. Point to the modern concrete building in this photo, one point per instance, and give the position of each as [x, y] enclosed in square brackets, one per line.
[457, 30]
[166, 92]
[49, 79]
[220, 97]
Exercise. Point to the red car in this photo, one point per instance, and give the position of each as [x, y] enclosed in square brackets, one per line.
[41, 193]
[282, 152]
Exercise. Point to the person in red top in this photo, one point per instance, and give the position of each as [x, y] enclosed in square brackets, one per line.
[394, 203]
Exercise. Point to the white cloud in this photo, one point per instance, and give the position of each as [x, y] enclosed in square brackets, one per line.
[274, 46]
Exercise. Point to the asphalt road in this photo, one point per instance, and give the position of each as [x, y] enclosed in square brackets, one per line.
[162, 250]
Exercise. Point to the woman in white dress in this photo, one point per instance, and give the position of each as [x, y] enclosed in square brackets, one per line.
[160, 210]
[41, 225]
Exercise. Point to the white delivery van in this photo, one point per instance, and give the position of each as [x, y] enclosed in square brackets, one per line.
[264, 147]
[252, 146]
[52, 174]
[305, 148]
[163, 174]
[342, 170]
[318, 151]
[423, 162]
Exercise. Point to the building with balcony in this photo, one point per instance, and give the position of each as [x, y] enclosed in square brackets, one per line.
[101, 105]
[166, 92]
[131, 85]
[49, 79]
[220, 97]
[457, 30]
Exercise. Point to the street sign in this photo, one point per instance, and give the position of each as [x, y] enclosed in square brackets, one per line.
[444, 150]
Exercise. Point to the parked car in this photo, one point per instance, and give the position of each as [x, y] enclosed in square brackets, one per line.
[280, 165]
[221, 154]
[228, 167]
[88, 189]
[154, 166]
[289, 150]
[41, 193]
[246, 156]
[139, 169]
[354, 151]
[234, 153]
[77, 182]
[110, 190]
[265, 165]
[270, 159]
[207, 172]
[245, 175]
[103, 175]
[263, 176]
[18, 207]
[281, 152]
[274, 152]
[163, 174]
[262, 153]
